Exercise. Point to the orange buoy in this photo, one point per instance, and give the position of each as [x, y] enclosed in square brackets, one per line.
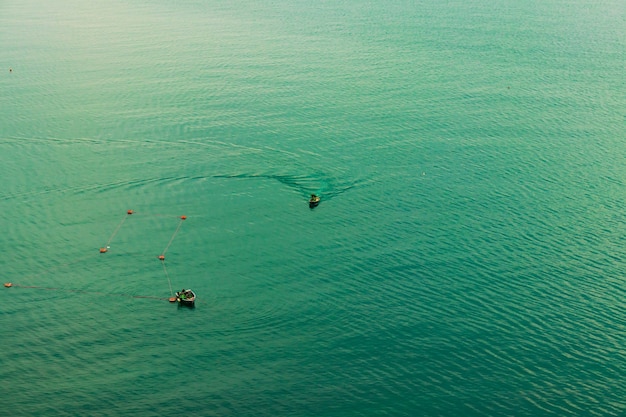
[8, 284]
[129, 212]
[103, 250]
[172, 299]
[162, 257]
[183, 217]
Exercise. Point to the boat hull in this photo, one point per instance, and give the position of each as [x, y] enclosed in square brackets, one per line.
[187, 299]
[313, 202]
[187, 303]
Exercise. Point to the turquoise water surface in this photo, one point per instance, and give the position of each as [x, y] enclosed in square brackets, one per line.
[467, 258]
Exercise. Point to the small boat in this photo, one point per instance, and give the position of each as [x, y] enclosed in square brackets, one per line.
[314, 201]
[186, 297]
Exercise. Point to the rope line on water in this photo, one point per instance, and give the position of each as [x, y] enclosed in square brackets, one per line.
[162, 255]
[148, 297]
[168, 278]
[117, 229]
[180, 223]
[86, 292]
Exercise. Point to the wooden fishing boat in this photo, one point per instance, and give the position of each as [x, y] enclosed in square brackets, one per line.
[186, 297]
[314, 201]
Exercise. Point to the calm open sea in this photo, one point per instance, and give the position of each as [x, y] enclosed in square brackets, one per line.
[468, 257]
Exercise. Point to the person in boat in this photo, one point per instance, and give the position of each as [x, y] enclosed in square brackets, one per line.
[182, 294]
[314, 201]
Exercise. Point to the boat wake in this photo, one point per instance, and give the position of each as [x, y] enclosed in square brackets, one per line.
[305, 185]
[270, 163]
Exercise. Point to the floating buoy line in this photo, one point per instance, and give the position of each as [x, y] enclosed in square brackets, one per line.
[103, 250]
[11, 285]
[162, 255]
[117, 229]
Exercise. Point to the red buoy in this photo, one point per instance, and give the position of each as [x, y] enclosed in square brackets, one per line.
[172, 299]
[162, 257]
[103, 250]
[8, 284]
[183, 217]
[130, 212]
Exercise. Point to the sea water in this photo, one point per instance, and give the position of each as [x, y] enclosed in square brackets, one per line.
[467, 257]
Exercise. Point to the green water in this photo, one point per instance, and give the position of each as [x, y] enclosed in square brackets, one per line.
[467, 257]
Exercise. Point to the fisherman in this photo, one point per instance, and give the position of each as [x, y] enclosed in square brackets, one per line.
[314, 201]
